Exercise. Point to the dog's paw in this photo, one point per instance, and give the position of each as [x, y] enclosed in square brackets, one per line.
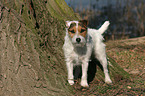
[84, 83]
[71, 82]
[108, 81]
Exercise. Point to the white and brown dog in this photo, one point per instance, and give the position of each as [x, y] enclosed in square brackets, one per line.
[80, 43]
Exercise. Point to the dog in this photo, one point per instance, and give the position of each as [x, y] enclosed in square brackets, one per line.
[81, 43]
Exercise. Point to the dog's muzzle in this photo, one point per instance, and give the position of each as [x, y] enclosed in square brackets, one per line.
[79, 42]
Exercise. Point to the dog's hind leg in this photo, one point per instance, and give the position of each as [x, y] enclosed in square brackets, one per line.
[101, 56]
[103, 61]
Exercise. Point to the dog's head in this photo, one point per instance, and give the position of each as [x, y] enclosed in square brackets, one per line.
[77, 30]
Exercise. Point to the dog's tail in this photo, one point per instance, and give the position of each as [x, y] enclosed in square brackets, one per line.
[104, 27]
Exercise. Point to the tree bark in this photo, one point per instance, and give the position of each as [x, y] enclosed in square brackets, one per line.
[31, 57]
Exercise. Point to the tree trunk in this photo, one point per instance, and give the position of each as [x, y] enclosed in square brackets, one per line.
[31, 57]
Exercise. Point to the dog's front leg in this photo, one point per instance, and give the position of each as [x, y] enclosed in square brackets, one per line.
[70, 72]
[84, 82]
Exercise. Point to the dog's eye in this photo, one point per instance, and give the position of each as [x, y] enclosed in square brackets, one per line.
[83, 30]
[72, 31]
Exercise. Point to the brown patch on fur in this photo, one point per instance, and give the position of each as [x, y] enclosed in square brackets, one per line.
[82, 28]
[82, 31]
[72, 29]
[83, 23]
[72, 32]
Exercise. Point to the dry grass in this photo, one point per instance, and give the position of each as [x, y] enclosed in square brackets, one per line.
[130, 53]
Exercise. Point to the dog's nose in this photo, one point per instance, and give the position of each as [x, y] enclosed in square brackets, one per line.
[78, 40]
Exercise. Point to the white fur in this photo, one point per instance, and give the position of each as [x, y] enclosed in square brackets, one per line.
[80, 55]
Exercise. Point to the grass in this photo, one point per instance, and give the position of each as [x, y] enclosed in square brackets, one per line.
[130, 54]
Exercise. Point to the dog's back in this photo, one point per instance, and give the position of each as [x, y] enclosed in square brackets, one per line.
[97, 34]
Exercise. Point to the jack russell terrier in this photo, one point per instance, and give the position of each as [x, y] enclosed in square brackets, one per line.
[81, 43]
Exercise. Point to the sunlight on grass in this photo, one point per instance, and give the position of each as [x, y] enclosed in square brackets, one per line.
[129, 55]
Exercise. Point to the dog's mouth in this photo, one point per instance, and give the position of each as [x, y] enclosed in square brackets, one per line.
[79, 44]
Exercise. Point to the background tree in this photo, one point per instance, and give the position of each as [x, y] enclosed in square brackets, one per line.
[31, 58]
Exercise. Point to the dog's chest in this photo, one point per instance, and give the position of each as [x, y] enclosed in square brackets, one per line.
[80, 54]
[77, 59]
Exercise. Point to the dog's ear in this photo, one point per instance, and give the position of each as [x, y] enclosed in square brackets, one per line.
[84, 22]
[67, 23]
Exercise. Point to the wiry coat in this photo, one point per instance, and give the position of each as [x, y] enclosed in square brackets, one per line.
[80, 55]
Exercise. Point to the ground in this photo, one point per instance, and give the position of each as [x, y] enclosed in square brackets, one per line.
[130, 55]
